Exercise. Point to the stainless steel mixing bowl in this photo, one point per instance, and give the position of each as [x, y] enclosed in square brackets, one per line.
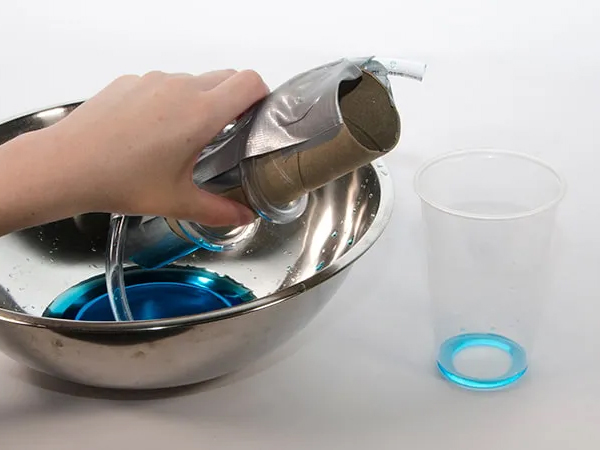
[293, 270]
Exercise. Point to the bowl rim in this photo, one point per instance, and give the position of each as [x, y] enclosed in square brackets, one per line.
[359, 247]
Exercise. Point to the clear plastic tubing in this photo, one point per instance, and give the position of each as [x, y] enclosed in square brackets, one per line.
[115, 281]
[403, 67]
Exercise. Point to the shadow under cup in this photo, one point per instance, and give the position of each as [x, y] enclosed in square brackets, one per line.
[489, 218]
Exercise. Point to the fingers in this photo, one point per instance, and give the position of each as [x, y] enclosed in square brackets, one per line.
[204, 82]
[233, 96]
[210, 80]
[209, 209]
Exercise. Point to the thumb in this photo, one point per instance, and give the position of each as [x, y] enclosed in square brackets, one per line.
[210, 209]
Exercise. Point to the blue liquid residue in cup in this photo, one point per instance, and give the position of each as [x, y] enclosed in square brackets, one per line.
[457, 344]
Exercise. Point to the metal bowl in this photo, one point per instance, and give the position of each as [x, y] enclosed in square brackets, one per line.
[293, 271]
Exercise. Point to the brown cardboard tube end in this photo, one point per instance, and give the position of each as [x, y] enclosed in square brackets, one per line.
[371, 128]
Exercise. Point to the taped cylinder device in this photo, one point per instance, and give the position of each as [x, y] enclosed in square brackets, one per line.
[313, 129]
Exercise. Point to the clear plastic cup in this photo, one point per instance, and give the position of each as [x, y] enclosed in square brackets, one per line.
[489, 218]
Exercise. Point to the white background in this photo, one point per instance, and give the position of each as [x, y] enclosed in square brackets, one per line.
[516, 74]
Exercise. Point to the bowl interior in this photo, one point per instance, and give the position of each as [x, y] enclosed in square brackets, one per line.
[39, 264]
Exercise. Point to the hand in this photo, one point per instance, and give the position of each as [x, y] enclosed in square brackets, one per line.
[132, 147]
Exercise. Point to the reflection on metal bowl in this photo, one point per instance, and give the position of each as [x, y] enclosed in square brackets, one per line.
[289, 272]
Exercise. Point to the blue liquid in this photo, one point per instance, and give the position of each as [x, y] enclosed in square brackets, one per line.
[152, 294]
[453, 346]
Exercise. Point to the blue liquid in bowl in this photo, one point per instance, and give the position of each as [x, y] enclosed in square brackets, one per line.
[152, 294]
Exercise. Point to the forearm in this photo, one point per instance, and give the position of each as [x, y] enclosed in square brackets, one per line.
[35, 184]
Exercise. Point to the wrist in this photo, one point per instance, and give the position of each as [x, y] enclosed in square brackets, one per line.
[36, 186]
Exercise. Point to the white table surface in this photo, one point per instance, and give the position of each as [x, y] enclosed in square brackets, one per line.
[516, 74]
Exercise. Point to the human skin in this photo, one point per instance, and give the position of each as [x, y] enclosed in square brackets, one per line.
[129, 149]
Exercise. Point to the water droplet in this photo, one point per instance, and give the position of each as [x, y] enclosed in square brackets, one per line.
[51, 260]
[293, 279]
[384, 172]
[372, 215]
[366, 180]
[95, 250]
[248, 252]
[10, 275]
[371, 195]
[334, 234]
[289, 269]
[27, 259]
[322, 250]
[126, 288]
[320, 265]
[351, 241]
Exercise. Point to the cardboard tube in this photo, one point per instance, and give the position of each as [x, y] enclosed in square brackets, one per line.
[371, 127]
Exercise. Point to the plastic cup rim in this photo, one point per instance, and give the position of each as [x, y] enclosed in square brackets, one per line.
[489, 217]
